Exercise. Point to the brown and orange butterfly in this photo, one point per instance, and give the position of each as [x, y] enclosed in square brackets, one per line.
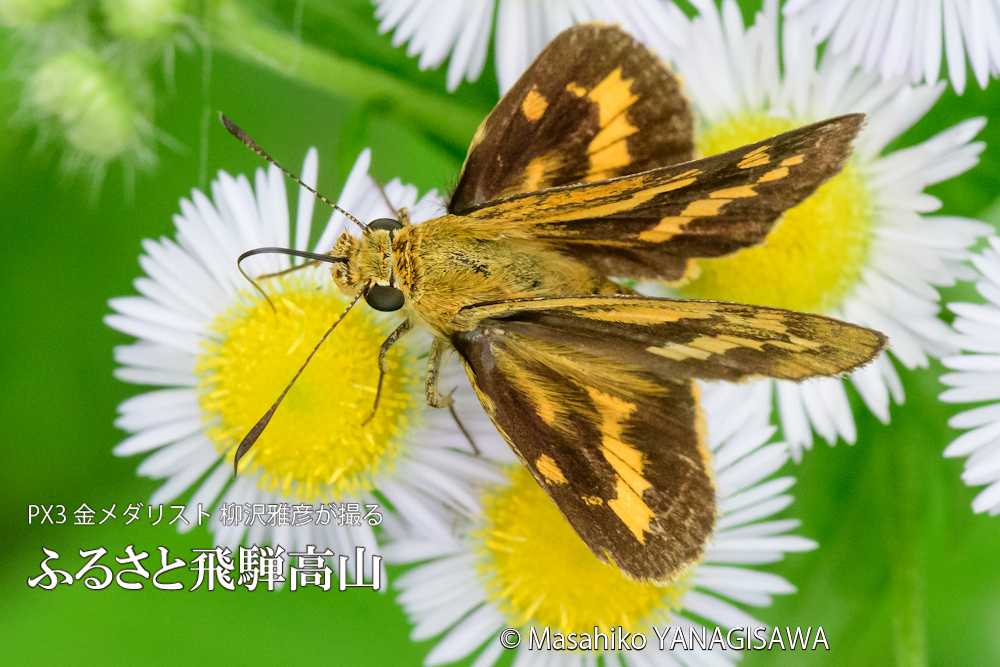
[584, 171]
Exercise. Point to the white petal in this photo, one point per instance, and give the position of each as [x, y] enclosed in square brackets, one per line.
[989, 498]
[172, 458]
[752, 469]
[490, 655]
[754, 512]
[794, 423]
[164, 335]
[207, 493]
[954, 47]
[968, 442]
[198, 464]
[715, 610]
[755, 495]
[307, 202]
[976, 417]
[157, 437]
[467, 636]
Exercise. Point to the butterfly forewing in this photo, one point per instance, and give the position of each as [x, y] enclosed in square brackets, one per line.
[595, 104]
[647, 225]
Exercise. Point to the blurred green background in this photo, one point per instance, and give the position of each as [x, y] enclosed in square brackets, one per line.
[905, 573]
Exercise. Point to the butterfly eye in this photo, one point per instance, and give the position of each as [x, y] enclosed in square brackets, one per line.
[384, 297]
[388, 224]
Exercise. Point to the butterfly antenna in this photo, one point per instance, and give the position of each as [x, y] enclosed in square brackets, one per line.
[237, 132]
[316, 257]
[251, 437]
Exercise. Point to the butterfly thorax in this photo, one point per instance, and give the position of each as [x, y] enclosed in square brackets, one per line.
[451, 262]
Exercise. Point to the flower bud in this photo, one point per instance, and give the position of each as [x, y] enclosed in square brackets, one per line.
[143, 20]
[91, 103]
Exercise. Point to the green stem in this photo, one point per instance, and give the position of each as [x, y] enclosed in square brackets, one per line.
[235, 32]
[905, 519]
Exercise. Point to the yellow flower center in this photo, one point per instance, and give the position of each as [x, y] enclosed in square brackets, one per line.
[314, 447]
[538, 571]
[815, 254]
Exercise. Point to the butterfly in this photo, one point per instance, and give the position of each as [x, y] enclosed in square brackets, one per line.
[584, 171]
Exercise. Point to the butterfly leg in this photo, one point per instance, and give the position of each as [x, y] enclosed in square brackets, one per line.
[434, 398]
[382, 367]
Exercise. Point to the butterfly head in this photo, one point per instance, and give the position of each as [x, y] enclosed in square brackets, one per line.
[367, 265]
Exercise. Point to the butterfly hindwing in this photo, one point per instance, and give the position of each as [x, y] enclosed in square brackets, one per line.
[595, 104]
[619, 451]
[596, 396]
[676, 338]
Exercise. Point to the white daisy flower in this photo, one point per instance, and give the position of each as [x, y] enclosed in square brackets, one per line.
[462, 28]
[223, 356]
[977, 379]
[903, 39]
[519, 564]
[862, 248]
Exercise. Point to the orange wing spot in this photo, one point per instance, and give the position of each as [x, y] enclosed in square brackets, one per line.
[627, 462]
[666, 229]
[546, 465]
[713, 344]
[744, 342]
[579, 91]
[604, 162]
[754, 158]
[632, 477]
[672, 185]
[734, 193]
[791, 347]
[616, 131]
[774, 175]
[592, 500]
[614, 411]
[755, 161]
[613, 95]
[628, 455]
[770, 320]
[704, 207]
[679, 352]
[802, 342]
[792, 161]
[570, 205]
[672, 312]
[534, 174]
[796, 344]
[634, 513]
[685, 175]
[534, 104]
